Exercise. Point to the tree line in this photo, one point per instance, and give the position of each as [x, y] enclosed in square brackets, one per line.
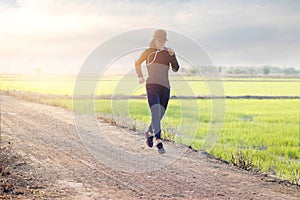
[266, 70]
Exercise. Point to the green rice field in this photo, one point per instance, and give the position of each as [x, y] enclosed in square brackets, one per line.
[64, 85]
[257, 134]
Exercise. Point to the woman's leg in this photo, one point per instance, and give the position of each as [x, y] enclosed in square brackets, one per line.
[164, 99]
[155, 108]
[164, 96]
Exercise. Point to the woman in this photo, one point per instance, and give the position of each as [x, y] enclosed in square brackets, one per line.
[158, 60]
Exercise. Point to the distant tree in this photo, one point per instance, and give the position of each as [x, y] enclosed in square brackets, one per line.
[266, 70]
[220, 70]
[290, 70]
[183, 70]
[251, 71]
[192, 71]
[239, 71]
[229, 71]
[236, 71]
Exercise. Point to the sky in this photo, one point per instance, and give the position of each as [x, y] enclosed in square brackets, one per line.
[57, 36]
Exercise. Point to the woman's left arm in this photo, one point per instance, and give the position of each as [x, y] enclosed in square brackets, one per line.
[174, 63]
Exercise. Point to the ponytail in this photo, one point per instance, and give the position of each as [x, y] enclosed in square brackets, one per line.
[152, 43]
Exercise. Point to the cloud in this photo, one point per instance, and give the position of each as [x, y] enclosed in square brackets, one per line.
[59, 35]
[260, 32]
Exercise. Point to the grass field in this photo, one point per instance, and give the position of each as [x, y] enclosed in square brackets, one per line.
[257, 134]
[64, 85]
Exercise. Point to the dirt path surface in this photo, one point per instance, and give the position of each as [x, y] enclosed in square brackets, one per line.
[48, 140]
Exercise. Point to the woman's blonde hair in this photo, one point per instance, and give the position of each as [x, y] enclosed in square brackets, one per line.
[152, 43]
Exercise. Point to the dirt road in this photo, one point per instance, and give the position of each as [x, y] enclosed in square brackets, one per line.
[48, 141]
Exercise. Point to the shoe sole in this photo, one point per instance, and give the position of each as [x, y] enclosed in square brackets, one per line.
[162, 151]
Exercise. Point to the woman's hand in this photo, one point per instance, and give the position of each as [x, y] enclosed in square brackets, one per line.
[141, 80]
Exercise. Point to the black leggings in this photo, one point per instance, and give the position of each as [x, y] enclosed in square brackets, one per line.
[158, 98]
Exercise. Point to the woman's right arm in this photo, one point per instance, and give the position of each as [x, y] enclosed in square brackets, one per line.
[138, 64]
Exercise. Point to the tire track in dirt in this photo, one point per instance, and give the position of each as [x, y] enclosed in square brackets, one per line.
[47, 139]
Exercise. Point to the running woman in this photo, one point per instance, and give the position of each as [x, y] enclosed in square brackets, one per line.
[158, 61]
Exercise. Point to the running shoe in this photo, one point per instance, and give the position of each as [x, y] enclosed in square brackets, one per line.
[161, 148]
[149, 138]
